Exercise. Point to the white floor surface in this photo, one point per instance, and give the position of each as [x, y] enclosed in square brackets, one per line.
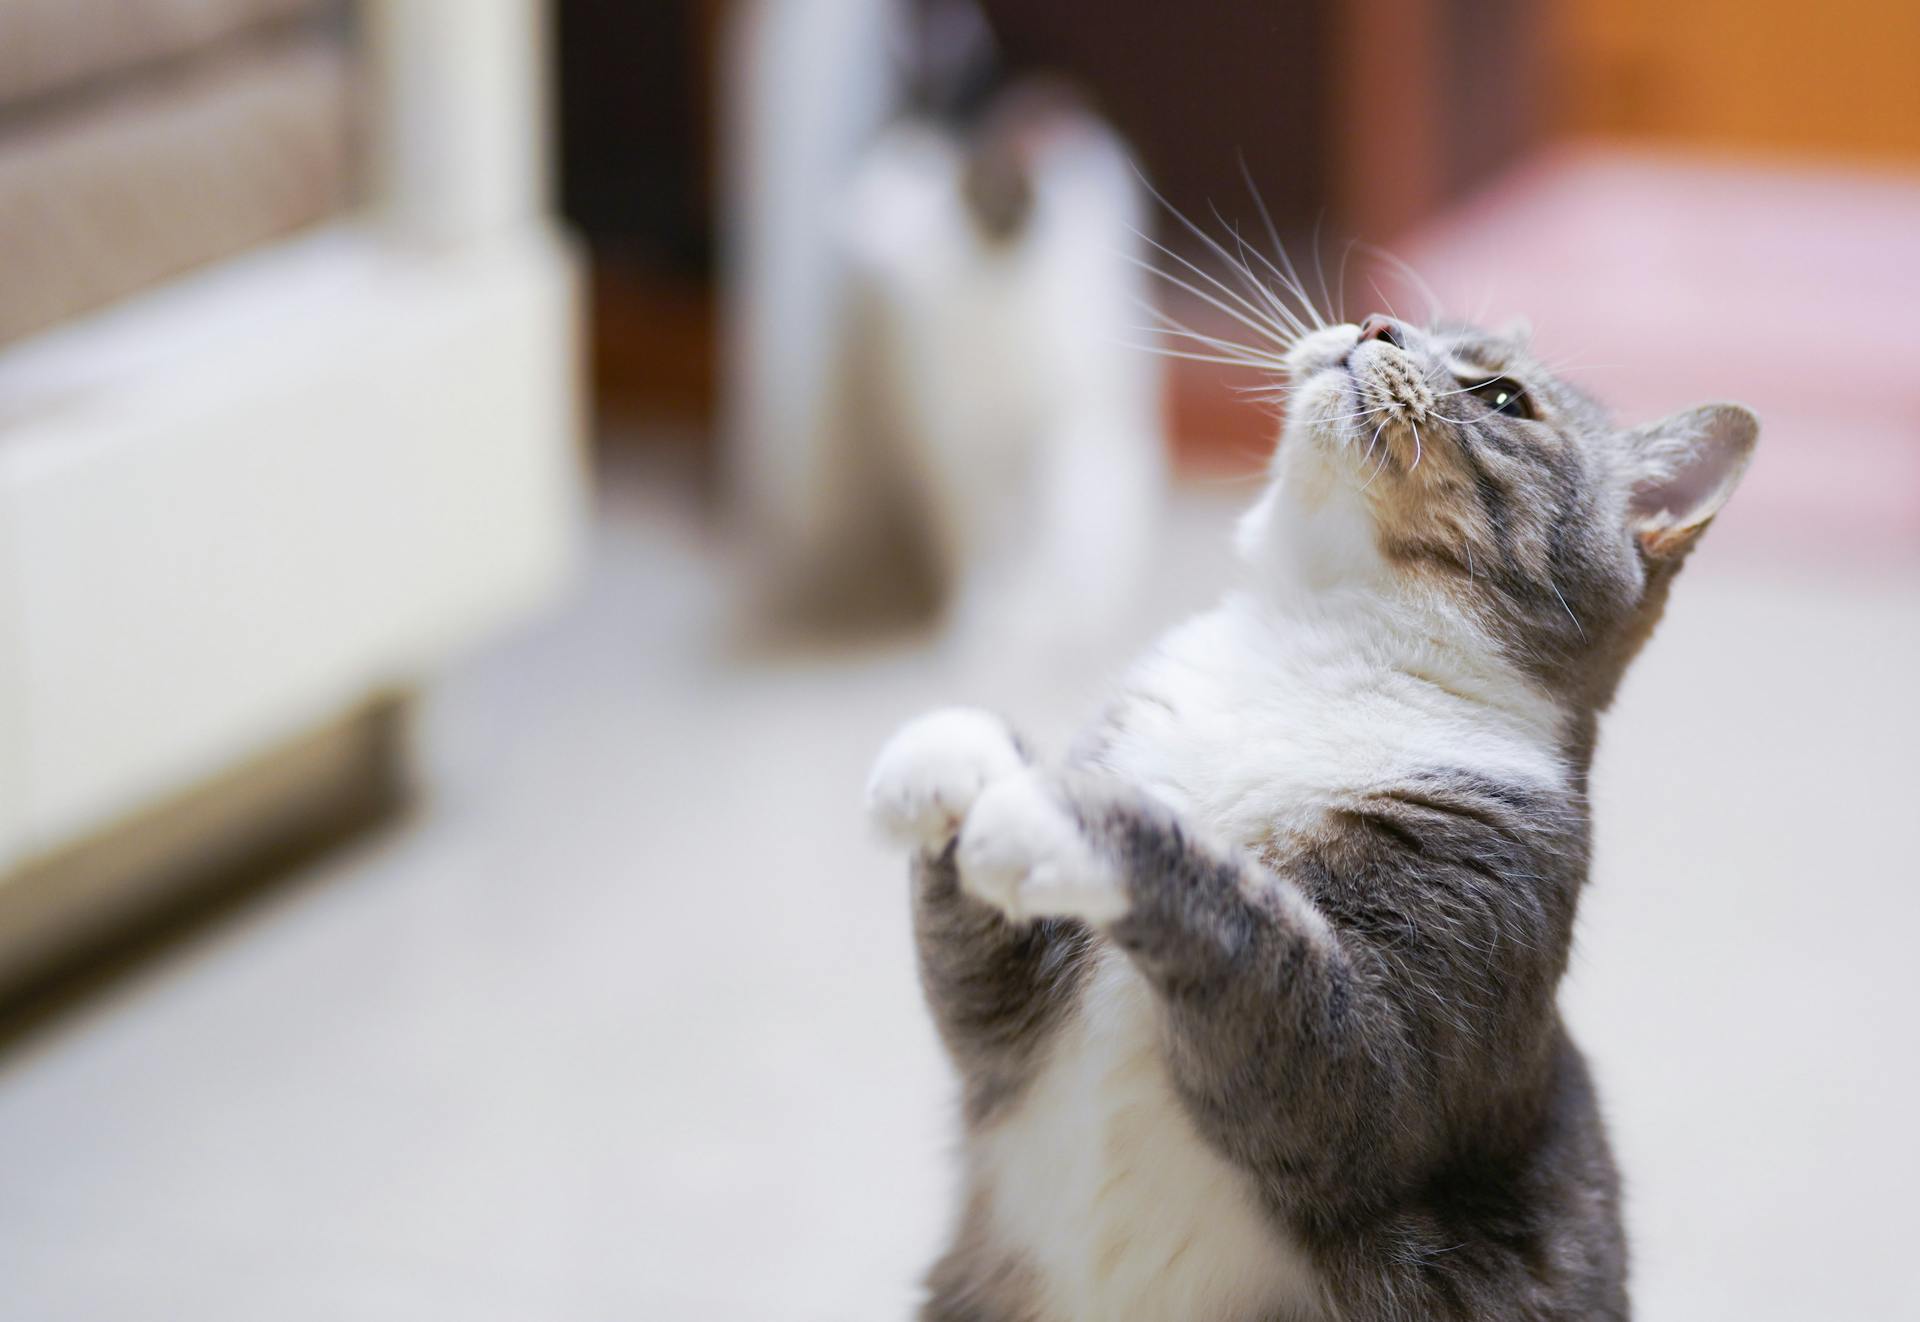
[622, 1025]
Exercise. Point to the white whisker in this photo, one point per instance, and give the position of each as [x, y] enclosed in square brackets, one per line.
[1169, 325]
[1339, 308]
[1319, 267]
[1568, 609]
[1265, 291]
[1165, 352]
[1212, 243]
[1294, 283]
[1251, 322]
[1434, 305]
[1374, 441]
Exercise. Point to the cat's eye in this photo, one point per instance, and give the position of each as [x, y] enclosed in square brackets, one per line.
[1504, 395]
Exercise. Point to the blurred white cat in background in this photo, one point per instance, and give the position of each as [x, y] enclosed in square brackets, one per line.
[993, 295]
[959, 386]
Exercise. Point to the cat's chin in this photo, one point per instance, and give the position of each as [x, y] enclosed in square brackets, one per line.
[1312, 528]
[1320, 412]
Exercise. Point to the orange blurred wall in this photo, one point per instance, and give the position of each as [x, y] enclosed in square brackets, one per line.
[1828, 79]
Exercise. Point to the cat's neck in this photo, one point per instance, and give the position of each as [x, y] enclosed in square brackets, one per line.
[1330, 635]
[1315, 573]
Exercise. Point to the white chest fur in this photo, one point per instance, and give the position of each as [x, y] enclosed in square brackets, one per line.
[1251, 723]
[1101, 1182]
[1248, 725]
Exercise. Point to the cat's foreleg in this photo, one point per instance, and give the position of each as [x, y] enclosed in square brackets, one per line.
[995, 985]
[1288, 1055]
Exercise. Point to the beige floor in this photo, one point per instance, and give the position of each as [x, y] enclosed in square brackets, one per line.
[623, 1025]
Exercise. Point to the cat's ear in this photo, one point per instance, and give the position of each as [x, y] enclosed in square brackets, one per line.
[1683, 469]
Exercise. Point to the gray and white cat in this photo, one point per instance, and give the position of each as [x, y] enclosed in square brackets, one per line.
[1253, 996]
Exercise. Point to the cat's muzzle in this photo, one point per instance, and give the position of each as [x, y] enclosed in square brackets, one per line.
[1389, 383]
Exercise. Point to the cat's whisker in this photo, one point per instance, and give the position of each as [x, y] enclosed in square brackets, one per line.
[1223, 360]
[1249, 355]
[1384, 300]
[1266, 292]
[1250, 317]
[1374, 441]
[1385, 455]
[1319, 267]
[1568, 609]
[1199, 233]
[1278, 337]
[1565, 363]
[1380, 468]
[1434, 305]
[1561, 369]
[1253, 361]
[1254, 356]
[1342, 417]
[1280, 333]
[1294, 284]
[1288, 282]
[1339, 308]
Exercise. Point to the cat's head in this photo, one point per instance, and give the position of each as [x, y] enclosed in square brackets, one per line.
[1447, 465]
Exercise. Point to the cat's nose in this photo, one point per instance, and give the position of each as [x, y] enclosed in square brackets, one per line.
[1377, 327]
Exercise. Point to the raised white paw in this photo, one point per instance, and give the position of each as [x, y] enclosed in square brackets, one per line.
[929, 774]
[1022, 852]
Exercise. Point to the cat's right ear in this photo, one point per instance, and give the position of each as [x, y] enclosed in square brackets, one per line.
[1683, 469]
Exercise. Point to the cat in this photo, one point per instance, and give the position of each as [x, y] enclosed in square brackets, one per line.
[935, 412]
[1253, 996]
[989, 272]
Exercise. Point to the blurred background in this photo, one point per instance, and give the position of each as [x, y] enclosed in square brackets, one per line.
[479, 479]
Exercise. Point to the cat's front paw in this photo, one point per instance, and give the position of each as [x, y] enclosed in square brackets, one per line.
[1023, 852]
[928, 776]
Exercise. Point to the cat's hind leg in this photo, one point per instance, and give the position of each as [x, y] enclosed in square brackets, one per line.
[979, 1280]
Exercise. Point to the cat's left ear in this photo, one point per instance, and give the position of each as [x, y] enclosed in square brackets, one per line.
[1684, 468]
